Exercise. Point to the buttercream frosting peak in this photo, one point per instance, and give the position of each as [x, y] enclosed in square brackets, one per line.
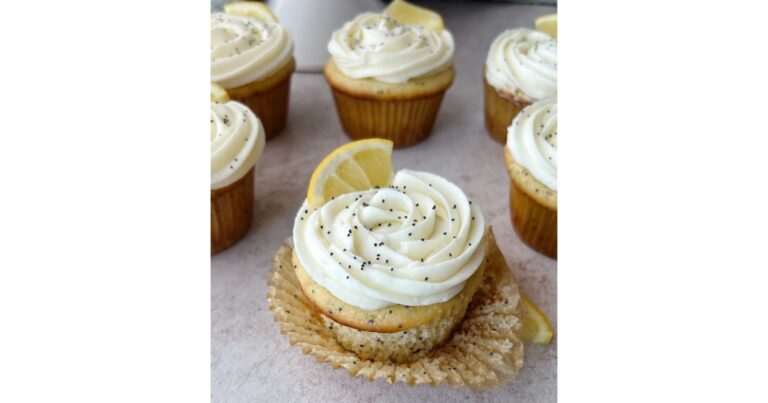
[414, 243]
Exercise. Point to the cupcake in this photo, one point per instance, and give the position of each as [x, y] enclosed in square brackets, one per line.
[237, 140]
[521, 69]
[391, 269]
[531, 160]
[252, 58]
[388, 78]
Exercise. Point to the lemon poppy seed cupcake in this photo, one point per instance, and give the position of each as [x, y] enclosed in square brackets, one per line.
[531, 160]
[237, 141]
[392, 269]
[521, 68]
[388, 78]
[252, 58]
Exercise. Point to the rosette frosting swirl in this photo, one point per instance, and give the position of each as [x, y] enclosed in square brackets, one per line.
[525, 60]
[379, 47]
[237, 140]
[413, 243]
[244, 49]
[532, 141]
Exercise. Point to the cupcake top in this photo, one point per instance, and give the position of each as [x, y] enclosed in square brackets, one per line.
[379, 47]
[413, 243]
[237, 140]
[245, 49]
[523, 62]
[532, 141]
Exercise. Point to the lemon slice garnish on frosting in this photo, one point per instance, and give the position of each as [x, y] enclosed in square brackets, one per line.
[253, 9]
[536, 327]
[218, 94]
[547, 24]
[408, 13]
[359, 165]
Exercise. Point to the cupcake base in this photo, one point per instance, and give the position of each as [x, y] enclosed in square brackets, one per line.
[533, 208]
[268, 99]
[500, 110]
[231, 212]
[404, 122]
[484, 351]
[396, 333]
[535, 224]
[404, 113]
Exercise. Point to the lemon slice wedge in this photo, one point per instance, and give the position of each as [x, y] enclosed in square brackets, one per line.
[253, 9]
[218, 94]
[536, 327]
[408, 13]
[359, 165]
[547, 24]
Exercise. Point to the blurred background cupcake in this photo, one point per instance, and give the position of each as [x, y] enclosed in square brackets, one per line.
[237, 141]
[252, 59]
[521, 68]
[531, 160]
[389, 71]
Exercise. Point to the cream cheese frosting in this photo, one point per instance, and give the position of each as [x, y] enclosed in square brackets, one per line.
[532, 141]
[245, 49]
[413, 243]
[523, 60]
[379, 47]
[237, 140]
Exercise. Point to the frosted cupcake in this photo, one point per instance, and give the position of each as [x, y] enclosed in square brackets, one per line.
[252, 58]
[237, 141]
[521, 69]
[391, 269]
[388, 78]
[531, 159]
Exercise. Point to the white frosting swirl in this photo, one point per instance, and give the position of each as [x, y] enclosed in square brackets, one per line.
[525, 60]
[237, 140]
[244, 49]
[413, 243]
[377, 46]
[532, 141]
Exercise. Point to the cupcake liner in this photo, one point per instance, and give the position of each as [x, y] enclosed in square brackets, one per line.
[483, 352]
[499, 111]
[271, 106]
[268, 99]
[231, 212]
[404, 121]
[535, 224]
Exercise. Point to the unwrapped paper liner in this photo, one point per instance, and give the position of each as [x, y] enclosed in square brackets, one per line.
[483, 352]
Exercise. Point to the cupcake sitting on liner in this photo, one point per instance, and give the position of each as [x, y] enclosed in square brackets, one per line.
[237, 141]
[388, 78]
[391, 270]
[531, 160]
[252, 58]
[521, 68]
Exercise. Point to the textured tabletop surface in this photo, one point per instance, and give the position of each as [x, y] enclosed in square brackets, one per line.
[250, 360]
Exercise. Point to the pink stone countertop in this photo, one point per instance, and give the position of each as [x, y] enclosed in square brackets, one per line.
[250, 360]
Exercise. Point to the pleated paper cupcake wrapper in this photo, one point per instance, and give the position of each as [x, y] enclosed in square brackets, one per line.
[535, 224]
[483, 352]
[404, 121]
[271, 106]
[231, 212]
[499, 112]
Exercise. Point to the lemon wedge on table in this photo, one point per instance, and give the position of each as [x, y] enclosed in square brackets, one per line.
[536, 327]
[218, 94]
[547, 24]
[408, 13]
[254, 9]
[359, 165]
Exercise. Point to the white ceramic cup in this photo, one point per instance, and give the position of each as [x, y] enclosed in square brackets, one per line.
[313, 21]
